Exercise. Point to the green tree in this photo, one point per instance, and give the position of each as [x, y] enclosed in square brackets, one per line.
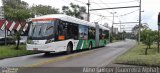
[43, 10]
[156, 38]
[135, 29]
[147, 37]
[16, 10]
[74, 10]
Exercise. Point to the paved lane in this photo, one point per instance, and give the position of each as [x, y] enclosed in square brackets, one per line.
[92, 58]
[96, 58]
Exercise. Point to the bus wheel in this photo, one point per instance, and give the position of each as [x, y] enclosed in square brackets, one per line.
[69, 48]
[90, 45]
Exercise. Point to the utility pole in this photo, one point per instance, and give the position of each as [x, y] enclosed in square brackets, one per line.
[120, 31]
[120, 25]
[139, 35]
[112, 26]
[158, 32]
[88, 4]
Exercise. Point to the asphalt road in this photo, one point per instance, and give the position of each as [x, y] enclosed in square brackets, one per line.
[99, 57]
[96, 58]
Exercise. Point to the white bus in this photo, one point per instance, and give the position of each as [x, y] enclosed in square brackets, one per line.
[58, 32]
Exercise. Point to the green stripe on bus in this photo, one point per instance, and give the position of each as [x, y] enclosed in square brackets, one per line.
[93, 42]
[84, 44]
[103, 42]
[79, 44]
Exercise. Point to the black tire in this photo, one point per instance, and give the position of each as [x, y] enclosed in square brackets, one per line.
[69, 48]
[90, 45]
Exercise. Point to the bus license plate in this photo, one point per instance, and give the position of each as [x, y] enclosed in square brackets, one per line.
[35, 48]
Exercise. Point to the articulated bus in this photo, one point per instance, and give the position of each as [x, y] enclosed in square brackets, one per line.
[58, 32]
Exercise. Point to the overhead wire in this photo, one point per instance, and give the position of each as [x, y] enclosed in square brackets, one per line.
[80, 2]
[100, 6]
[129, 13]
[102, 16]
[99, 14]
[85, 4]
[117, 2]
[66, 1]
[109, 6]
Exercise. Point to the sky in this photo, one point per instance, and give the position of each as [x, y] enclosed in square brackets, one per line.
[150, 10]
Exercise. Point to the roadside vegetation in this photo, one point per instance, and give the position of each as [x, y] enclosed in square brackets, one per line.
[11, 51]
[136, 56]
[144, 54]
[120, 36]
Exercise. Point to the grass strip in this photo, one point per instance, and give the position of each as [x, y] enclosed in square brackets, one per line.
[136, 56]
[10, 51]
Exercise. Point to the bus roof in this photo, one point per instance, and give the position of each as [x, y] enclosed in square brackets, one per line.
[67, 18]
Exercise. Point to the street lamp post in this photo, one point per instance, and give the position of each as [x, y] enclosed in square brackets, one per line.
[139, 35]
[120, 26]
[112, 26]
[158, 32]
[88, 4]
[120, 30]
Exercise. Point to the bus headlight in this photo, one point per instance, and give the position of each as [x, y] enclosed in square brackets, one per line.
[29, 41]
[48, 41]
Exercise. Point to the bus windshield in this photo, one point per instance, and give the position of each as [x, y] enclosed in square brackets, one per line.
[41, 30]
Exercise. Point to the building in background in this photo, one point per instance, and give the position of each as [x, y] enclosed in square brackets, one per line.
[1, 13]
[115, 30]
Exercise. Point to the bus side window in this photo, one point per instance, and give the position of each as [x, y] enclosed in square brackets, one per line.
[83, 32]
[91, 33]
[72, 31]
[75, 31]
[103, 34]
[61, 30]
[107, 34]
